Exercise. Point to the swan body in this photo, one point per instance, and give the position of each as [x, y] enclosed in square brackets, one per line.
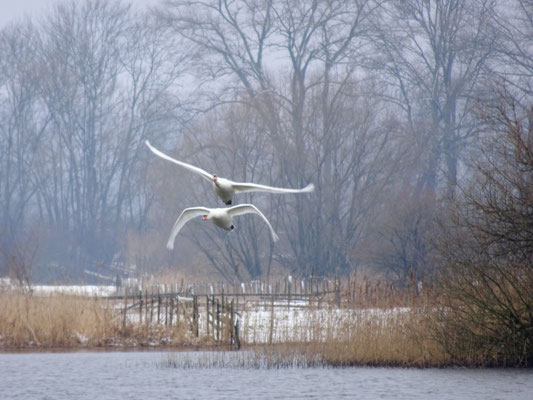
[221, 217]
[225, 188]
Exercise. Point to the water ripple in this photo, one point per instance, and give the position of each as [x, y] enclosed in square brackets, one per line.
[139, 375]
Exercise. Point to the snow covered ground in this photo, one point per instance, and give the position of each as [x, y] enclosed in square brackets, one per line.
[309, 323]
[82, 290]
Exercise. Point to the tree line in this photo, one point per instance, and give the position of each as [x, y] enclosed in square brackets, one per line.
[396, 111]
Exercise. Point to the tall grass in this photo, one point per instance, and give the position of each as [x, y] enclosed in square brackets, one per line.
[376, 324]
[258, 357]
[65, 321]
[387, 326]
[53, 320]
[372, 323]
[399, 339]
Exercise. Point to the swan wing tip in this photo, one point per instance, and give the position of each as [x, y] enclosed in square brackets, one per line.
[170, 245]
[309, 188]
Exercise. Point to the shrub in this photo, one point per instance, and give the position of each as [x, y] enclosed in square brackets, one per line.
[486, 316]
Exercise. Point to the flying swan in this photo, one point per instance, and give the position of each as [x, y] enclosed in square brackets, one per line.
[224, 188]
[221, 217]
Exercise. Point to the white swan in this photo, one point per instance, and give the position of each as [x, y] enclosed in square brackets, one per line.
[221, 217]
[224, 188]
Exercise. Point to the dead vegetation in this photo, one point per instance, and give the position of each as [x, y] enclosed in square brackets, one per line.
[366, 323]
[65, 321]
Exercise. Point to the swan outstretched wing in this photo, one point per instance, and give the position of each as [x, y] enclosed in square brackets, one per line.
[185, 216]
[204, 174]
[254, 187]
[250, 208]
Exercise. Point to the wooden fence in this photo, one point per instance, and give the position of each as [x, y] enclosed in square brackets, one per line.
[214, 310]
[217, 305]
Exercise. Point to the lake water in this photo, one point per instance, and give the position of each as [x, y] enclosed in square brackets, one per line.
[147, 375]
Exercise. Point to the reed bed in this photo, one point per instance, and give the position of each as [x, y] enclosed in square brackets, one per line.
[403, 339]
[66, 321]
[365, 323]
[258, 357]
[375, 324]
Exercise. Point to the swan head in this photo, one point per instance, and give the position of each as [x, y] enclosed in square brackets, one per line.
[228, 228]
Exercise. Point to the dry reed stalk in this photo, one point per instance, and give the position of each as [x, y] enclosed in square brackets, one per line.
[385, 326]
[53, 320]
[66, 321]
[399, 340]
[376, 325]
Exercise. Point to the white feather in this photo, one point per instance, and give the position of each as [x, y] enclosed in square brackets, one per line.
[204, 174]
[185, 216]
[226, 188]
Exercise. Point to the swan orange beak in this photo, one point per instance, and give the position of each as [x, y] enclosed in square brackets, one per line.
[214, 177]
[204, 217]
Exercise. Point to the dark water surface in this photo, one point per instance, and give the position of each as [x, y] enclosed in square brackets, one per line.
[146, 375]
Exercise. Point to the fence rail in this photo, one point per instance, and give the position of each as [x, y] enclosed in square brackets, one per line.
[214, 310]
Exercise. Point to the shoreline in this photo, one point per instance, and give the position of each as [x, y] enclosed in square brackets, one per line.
[279, 350]
[382, 329]
[109, 349]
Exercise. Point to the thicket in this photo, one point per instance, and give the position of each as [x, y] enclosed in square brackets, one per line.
[485, 314]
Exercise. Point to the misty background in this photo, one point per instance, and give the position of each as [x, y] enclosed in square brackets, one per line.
[387, 107]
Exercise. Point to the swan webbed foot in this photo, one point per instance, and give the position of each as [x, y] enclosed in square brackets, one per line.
[228, 203]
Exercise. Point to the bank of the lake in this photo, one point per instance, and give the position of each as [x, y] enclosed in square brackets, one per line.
[362, 324]
[148, 375]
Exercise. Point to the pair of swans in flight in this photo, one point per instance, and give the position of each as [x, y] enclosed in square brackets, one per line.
[225, 189]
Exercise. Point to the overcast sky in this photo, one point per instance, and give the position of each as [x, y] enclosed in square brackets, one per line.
[16, 10]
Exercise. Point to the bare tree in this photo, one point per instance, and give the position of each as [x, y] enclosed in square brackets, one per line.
[224, 142]
[80, 57]
[399, 243]
[22, 124]
[514, 25]
[106, 80]
[17, 259]
[295, 64]
[434, 59]
[151, 107]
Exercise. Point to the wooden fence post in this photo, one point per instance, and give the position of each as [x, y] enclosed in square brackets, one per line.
[125, 307]
[171, 310]
[232, 325]
[337, 292]
[288, 294]
[146, 311]
[158, 305]
[218, 321]
[213, 315]
[237, 338]
[207, 315]
[195, 315]
[152, 305]
[177, 309]
[140, 306]
[271, 334]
